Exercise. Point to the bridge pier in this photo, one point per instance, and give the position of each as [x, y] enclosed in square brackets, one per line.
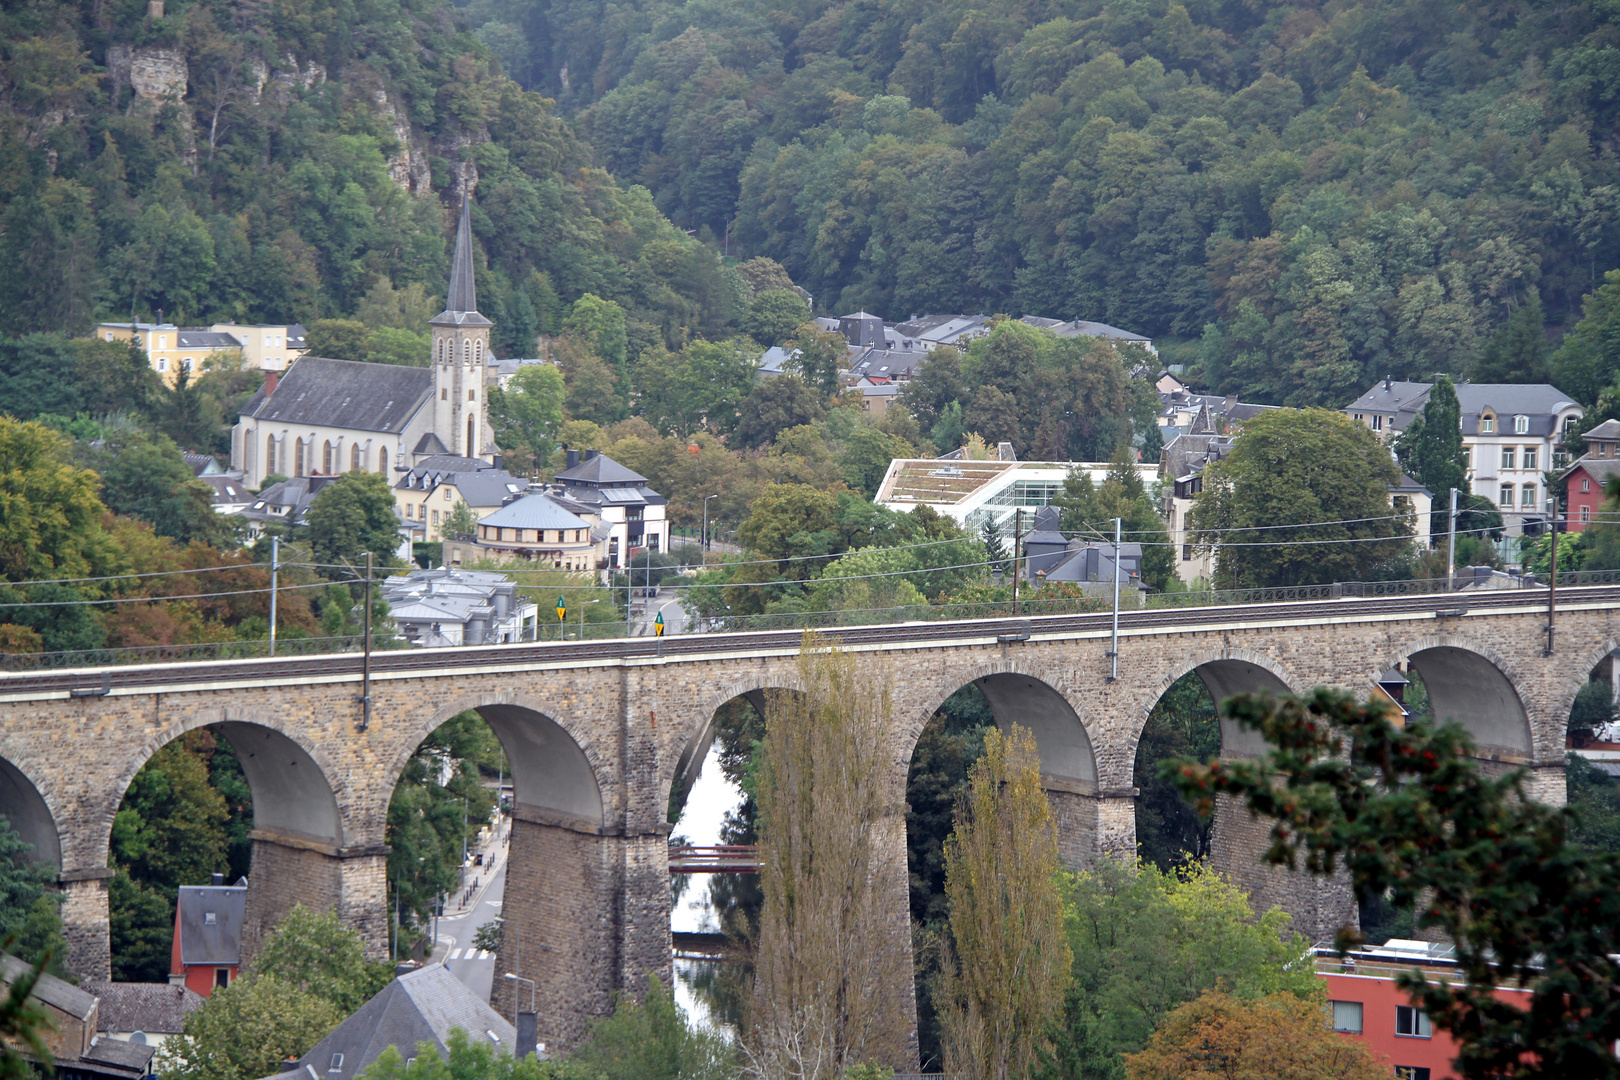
[290, 868]
[1091, 824]
[86, 922]
[586, 916]
[1318, 905]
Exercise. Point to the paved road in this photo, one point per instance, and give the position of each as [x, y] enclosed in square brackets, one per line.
[455, 951]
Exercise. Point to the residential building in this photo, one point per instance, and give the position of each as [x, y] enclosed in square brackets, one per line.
[877, 392]
[1367, 1007]
[146, 1014]
[286, 503]
[422, 1006]
[174, 349]
[207, 948]
[1513, 433]
[547, 528]
[72, 1016]
[1084, 328]
[1181, 411]
[973, 492]
[335, 416]
[231, 495]
[451, 606]
[1049, 556]
[633, 515]
[1586, 481]
[266, 346]
[431, 490]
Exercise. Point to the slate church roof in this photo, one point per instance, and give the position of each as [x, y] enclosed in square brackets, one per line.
[461, 304]
[317, 392]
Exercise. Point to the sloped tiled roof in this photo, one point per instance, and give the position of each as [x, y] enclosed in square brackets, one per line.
[155, 1008]
[57, 993]
[319, 392]
[533, 512]
[1609, 429]
[422, 1006]
[601, 471]
[206, 339]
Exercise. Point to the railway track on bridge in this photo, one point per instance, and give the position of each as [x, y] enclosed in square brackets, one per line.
[92, 680]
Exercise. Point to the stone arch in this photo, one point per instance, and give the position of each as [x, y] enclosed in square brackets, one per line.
[1224, 673]
[695, 734]
[1475, 685]
[297, 787]
[30, 809]
[1031, 695]
[553, 768]
[1571, 679]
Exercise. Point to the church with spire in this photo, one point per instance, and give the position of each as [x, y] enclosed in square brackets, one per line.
[325, 417]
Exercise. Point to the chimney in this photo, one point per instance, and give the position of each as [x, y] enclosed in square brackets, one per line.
[1387, 385]
[573, 458]
[216, 879]
[589, 454]
[271, 378]
[528, 1035]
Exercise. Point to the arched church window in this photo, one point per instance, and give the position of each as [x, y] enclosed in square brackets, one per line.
[478, 351]
[328, 459]
[466, 351]
[354, 458]
[270, 455]
[472, 448]
[382, 460]
[298, 457]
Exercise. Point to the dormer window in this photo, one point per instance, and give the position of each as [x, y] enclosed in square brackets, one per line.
[1487, 424]
[210, 918]
[1521, 425]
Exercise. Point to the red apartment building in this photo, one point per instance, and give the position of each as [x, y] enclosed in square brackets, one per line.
[1369, 1008]
[1589, 475]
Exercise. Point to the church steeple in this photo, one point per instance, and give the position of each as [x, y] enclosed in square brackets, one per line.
[460, 352]
[461, 303]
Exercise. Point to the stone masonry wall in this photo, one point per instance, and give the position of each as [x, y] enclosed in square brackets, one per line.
[280, 877]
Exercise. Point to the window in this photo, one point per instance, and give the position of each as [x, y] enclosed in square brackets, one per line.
[435, 517]
[337, 1063]
[1487, 424]
[1509, 456]
[163, 341]
[448, 494]
[444, 393]
[423, 514]
[354, 457]
[1411, 1072]
[1412, 1022]
[185, 365]
[1569, 426]
[163, 364]
[1529, 457]
[1521, 425]
[472, 395]
[478, 352]
[1347, 1016]
[1505, 496]
[382, 460]
[1586, 514]
[1186, 552]
[109, 335]
[209, 918]
[222, 976]
[1527, 496]
[1586, 484]
[1378, 422]
[410, 511]
[466, 351]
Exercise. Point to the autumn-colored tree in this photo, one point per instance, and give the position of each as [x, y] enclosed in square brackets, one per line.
[1011, 961]
[1276, 1037]
[825, 949]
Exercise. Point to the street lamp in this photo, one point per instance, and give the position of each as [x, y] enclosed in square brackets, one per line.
[706, 499]
[521, 979]
[582, 617]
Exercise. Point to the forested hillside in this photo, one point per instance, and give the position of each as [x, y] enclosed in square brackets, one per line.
[1310, 195]
[292, 160]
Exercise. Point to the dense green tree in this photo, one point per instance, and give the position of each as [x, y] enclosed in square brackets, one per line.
[50, 515]
[528, 411]
[1518, 352]
[701, 386]
[774, 405]
[249, 1028]
[141, 933]
[1589, 358]
[317, 954]
[338, 339]
[1183, 724]
[146, 477]
[1406, 813]
[351, 516]
[1302, 498]
[774, 316]
[30, 918]
[1145, 941]
[170, 828]
[1595, 797]
[1430, 450]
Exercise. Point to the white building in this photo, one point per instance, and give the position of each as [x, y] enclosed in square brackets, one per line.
[335, 416]
[1514, 435]
[973, 492]
[459, 607]
[633, 514]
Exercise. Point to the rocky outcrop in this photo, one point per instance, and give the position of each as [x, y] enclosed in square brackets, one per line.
[158, 75]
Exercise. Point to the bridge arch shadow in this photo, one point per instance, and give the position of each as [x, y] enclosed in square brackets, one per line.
[1473, 685]
[30, 814]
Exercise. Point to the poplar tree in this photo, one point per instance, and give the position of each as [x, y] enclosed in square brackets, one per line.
[1007, 978]
[1431, 452]
[824, 941]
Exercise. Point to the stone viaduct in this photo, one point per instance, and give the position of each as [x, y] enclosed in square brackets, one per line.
[597, 733]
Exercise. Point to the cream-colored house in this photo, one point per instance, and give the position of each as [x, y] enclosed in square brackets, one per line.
[174, 349]
[266, 346]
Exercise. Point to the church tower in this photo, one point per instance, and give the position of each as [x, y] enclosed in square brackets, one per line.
[461, 356]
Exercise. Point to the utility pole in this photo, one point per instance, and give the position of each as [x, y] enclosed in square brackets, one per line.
[705, 545]
[1113, 652]
[275, 565]
[1451, 545]
[1552, 578]
[1018, 553]
[365, 663]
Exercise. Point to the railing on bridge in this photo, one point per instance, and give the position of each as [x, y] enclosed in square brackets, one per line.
[812, 620]
[717, 859]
